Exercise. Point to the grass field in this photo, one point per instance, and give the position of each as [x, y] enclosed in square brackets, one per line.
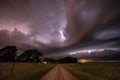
[24, 71]
[95, 71]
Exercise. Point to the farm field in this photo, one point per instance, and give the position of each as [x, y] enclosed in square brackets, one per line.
[24, 71]
[95, 71]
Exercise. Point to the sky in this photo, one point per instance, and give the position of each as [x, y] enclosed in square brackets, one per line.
[55, 26]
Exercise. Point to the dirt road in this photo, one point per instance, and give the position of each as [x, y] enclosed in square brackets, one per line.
[58, 73]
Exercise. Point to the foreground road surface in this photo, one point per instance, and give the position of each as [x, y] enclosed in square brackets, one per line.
[58, 73]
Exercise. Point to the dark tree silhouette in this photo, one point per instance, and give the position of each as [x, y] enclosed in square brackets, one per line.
[67, 60]
[0, 55]
[8, 53]
[49, 60]
[31, 55]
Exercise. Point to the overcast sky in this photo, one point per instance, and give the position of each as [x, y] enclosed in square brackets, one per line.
[60, 25]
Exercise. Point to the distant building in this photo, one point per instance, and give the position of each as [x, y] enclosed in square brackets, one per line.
[45, 62]
[84, 60]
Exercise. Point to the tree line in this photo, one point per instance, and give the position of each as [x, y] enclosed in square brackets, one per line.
[9, 54]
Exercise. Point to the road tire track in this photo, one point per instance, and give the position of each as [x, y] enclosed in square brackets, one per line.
[58, 73]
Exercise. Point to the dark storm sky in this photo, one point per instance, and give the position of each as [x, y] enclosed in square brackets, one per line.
[60, 25]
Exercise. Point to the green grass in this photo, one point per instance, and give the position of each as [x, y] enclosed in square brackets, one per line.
[24, 71]
[95, 71]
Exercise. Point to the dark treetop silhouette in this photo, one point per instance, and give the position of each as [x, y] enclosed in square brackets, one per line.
[8, 53]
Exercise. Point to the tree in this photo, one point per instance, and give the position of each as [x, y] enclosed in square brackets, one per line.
[67, 60]
[31, 55]
[49, 60]
[0, 55]
[8, 53]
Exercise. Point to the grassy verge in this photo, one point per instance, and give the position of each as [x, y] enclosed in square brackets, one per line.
[95, 71]
[24, 71]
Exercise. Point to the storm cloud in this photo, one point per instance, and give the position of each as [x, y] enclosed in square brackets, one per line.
[57, 25]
